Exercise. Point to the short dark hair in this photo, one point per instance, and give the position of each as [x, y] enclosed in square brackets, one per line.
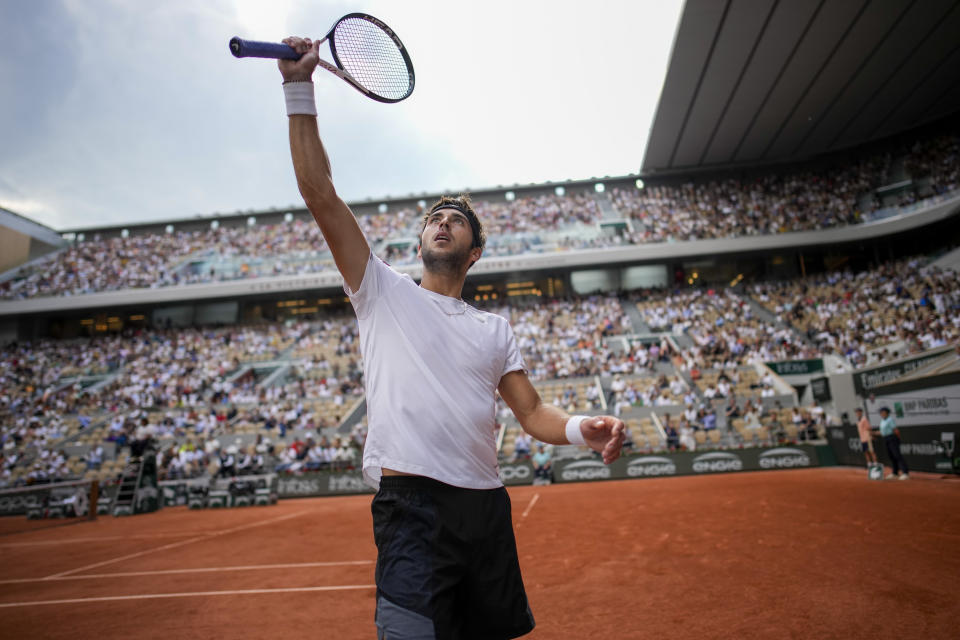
[462, 204]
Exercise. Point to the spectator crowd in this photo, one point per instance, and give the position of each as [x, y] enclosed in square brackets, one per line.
[667, 211]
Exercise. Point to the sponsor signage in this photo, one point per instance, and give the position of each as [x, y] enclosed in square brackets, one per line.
[784, 458]
[322, 484]
[717, 462]
[796, 367]
[584, 470]
[17, 504]
[516, 473]
[651, 467]
[521, 473]
[687, 463]
[867, 379]
[820, 387]
[931, 406]
[925, 448]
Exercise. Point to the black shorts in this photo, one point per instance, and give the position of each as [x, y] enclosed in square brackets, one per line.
[447, 563]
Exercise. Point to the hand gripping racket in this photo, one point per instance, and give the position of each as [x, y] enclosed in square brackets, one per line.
[369, 56]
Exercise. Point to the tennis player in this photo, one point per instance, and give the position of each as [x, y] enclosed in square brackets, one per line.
[447, 561]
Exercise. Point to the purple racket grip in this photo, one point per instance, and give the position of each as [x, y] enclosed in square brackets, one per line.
[252, 49]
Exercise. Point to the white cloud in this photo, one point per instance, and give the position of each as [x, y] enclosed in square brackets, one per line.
[157, 120]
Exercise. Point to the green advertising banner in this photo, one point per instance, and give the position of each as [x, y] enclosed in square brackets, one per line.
[796, 367]
[868, 379]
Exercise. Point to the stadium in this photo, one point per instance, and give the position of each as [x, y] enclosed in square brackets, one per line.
[788, 253]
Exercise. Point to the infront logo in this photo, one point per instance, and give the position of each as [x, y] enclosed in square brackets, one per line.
[586, 470]
[519, 472]
[347, 484]
[784, 458]
[649, 466]
[717, 462]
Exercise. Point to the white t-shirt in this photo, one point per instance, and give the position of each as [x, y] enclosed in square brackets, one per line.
[432, 365]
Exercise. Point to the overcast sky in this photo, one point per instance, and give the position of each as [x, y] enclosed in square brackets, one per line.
[124, 110]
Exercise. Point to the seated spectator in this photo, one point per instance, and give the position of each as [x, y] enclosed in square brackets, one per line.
[673, 438]
[521, 446]
[709, 419]
[686, 439]
[542, 464]
[732, 411]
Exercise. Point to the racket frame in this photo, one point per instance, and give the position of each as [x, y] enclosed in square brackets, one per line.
[254, 49]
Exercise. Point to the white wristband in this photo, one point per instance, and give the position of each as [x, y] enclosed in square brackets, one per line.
[299, 96]
[574, 434]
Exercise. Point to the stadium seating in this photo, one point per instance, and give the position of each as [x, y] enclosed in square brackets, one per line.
[746, 205]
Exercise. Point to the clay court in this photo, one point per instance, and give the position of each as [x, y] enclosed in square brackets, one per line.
[820, 553]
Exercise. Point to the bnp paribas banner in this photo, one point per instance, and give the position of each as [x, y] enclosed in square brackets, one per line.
[925, 448]
[687, 463]
[920, 407]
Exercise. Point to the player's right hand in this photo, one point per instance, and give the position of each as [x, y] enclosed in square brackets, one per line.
[300, 70]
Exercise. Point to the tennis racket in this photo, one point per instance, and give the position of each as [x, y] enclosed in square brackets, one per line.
[368, 55]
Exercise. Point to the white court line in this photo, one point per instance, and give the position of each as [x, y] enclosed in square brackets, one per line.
[533, 501]
[188, 594]
[164, 572]
[35, 543]
[174, 545]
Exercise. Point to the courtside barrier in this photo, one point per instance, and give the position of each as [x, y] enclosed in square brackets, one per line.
[925, 448]
[335, 483]
[687, 463]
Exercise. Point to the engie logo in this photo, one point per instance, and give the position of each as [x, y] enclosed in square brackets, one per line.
[651, 466]
[717, 462]
[784, 458]
[836, 434]
[519, 472]
[586, 470]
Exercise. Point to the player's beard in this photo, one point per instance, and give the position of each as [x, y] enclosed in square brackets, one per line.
[445, 263]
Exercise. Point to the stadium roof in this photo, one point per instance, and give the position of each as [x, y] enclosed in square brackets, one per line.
[762, 81]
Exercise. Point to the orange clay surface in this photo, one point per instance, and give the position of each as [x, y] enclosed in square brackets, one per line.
[820, 553]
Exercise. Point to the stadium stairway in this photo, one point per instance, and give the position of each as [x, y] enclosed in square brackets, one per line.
[682, 340]
[637, 323]
[355, 415]
[609, 211]
[769, 317]
[949, 260]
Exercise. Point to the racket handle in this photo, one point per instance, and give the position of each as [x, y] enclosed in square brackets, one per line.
[253, 49]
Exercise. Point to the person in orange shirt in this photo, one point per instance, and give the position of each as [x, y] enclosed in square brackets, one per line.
[866, 438]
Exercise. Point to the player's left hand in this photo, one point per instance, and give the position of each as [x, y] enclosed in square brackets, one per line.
[604, 434]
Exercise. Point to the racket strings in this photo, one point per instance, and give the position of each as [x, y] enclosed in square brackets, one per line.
[370, 55]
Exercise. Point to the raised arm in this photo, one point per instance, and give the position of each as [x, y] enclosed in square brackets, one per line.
[314, 178]
[547, 423]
